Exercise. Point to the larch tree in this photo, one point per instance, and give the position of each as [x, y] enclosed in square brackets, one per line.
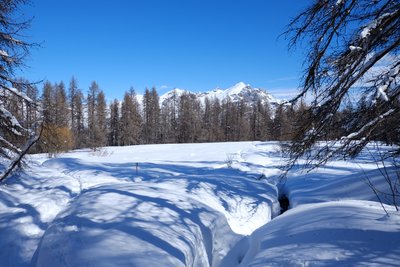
[155, 116]
[114, 124]
[260, 121]
[91, 112]
[56, 135]
[130, 119]
[15, 139]
[47, 103]
[146, 103]
[189, 118]
[101, 119]
[72, 92]
[353, 48]
[62, 113]
[228, 115]
[242, 123]
[169, 119]
[217, 132]
[151, 117]
[75, 99]
[206, 122]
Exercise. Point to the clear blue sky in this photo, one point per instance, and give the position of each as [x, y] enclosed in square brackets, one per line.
[190, 44]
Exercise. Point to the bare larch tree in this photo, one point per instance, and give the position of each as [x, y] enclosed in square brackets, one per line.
[15, 137]
[353, 53]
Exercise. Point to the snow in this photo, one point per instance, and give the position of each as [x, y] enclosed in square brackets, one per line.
[184, 206]
[18, 93]
[336, 233]
[355, 48]
[237, 92]
[3, 53]
[367, 126]
[7, 117]
[178, 92]
[240, 91]
[381, 92]
[366, 31]
[237, 88]
[374, 24]
[339, 2]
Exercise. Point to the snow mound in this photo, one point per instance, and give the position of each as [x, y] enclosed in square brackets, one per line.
[339, 233]
[146, 228]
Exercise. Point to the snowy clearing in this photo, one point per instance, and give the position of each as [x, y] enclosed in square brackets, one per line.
[194, 205]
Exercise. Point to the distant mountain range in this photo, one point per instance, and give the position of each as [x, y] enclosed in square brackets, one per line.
[240, 91]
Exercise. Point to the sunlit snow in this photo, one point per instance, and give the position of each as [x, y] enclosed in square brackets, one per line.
[186, 205]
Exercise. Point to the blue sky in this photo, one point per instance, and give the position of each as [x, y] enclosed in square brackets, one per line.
[191, 44]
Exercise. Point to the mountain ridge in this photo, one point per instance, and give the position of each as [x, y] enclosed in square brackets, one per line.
[239, 91]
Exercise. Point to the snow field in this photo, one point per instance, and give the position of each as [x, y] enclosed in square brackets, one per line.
[194, 205]
[183, 206]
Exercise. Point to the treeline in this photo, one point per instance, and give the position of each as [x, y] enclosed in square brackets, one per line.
[72, 120]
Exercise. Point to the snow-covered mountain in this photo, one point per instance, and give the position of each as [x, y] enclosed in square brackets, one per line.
[240, 91]
[168, 96]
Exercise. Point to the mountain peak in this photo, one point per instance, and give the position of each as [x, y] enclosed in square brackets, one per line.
[237, 88]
